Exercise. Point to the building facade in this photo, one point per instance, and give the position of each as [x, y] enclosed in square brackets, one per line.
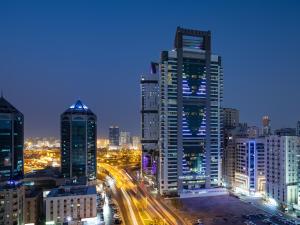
[114, 136]
[12, 198]
[266, 126]
[71, 204]
[191, 84]
[149, 122]
[125, 139]
[250, 166]
[33, 206]
[282, 169]
[231, 118]
[11, 142]
[78, 142]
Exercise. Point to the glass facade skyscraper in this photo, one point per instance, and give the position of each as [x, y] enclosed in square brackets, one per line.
[11, 142]
[191, 85]
[114, 136]
[149, 122]
[78, 142]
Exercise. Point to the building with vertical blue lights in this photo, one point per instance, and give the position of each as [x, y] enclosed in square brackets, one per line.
[191, 90]
[150, 122]
[78, 142]
[11, 142]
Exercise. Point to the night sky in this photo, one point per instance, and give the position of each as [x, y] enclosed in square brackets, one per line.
[55, 52]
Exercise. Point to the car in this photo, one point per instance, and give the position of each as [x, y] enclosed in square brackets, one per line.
[118, 221]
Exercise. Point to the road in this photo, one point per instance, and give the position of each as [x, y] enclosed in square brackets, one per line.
[137, 206]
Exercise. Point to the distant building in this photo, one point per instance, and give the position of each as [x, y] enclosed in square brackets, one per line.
[71, 204]
[231, 118]
[253, 132]
[78, 142]
[33, 206]
[11, 142]
[114, 136]
[285, 132]
[125, 139]
[298, 129]
[266, 126]
[282, 170]
[250, 166]
[136, 142]
[12, 203]
[190, 139]
[102, 143]
[149, 122]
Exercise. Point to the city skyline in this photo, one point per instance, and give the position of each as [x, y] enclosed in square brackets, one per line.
[45, 39]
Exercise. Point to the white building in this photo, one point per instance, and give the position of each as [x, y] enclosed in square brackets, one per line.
[250, 166]
[125, 139]
[12, 198]
[72, 204]
[136, 142]
[282, 169]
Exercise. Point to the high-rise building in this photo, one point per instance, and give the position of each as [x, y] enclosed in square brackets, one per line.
[125, 139]
[12, 203]
[149, 122]
[231, 118]
[282, 170]
[191, 84]
[266, 129]
[78, 142]
[250, 166]
[11, 142]
[114, 136]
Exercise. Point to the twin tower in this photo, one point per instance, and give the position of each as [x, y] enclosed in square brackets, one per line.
[78, 142]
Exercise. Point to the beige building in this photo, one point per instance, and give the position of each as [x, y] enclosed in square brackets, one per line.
[12, 197]
[71, 204]
[33, 206]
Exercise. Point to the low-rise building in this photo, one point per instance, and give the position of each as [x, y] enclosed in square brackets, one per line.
[12, 197]
[33, 206]
[250, 165]
[71, 204]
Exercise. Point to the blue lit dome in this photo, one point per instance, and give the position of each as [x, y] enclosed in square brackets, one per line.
[79, 108]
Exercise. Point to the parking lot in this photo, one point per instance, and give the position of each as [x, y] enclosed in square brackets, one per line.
[218, 210]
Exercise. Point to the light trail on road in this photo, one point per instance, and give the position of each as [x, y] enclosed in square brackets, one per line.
[134, 196]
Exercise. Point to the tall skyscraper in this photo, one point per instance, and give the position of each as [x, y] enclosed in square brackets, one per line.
[11, 142]
[78, 142]
[191, 86]
[114, 136]
[150, 118]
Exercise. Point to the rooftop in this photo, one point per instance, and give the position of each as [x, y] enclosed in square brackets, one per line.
[78, 108]
[72, 191]
[6, 107]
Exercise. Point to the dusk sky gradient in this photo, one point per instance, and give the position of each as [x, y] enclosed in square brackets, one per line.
[55, 52]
